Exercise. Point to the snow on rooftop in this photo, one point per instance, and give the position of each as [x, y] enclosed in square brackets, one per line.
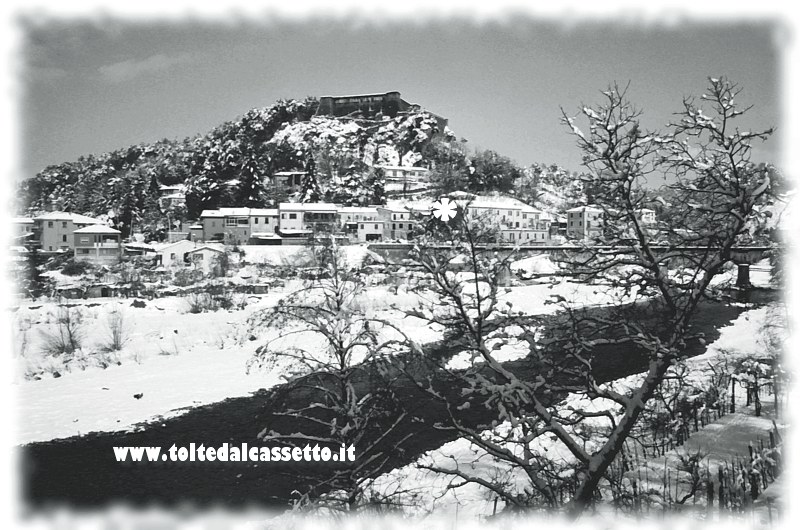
[358, 209]
[97, 229]
[69, 216]
[308, 206]
[241, 212]
[404, 168]
[585, 209]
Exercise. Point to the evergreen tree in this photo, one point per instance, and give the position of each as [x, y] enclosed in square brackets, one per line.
[310, 189]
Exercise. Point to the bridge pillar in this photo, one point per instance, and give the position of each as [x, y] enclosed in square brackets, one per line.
[743, 275]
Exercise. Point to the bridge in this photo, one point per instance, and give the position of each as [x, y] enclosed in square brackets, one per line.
[743, 256]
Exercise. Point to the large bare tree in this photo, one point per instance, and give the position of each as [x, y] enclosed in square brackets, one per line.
[653, 279]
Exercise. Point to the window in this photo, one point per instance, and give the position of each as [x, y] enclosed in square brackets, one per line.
[256, 220]
[283, 216]
[376, 227]
[401, 226]
[172, 255]
[84, 239]
[50, 225]
[63, 224]
[361, 226]
[393, 226]
[64, 238]
[292, 216]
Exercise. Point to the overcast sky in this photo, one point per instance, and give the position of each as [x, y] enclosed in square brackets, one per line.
[89, 87]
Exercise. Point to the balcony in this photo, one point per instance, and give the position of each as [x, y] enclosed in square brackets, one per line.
[104, 244]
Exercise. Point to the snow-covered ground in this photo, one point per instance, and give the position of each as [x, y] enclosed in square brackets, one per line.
[298, 255]
[176, 359]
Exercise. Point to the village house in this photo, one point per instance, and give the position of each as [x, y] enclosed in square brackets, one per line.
[206, 259]
[406, 178]
[351, 216]
[236, 226]
[371, 230]
[174, 254]
[647, 216]
[303, 219]
[584, 222]
[98, 244]
[518, 223]
[172, 196]
[54, 230]
[288, 181]
[398, 223]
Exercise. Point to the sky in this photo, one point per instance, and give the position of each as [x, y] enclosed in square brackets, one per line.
[91, 85]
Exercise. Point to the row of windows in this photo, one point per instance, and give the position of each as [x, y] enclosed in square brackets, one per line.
[100, 252]
[376, 226]
[527, 236]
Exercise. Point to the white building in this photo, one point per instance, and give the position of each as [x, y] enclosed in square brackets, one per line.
[371, 230]
[174, 255]
[517, 222]
[172, 196]
[647, 216]
[205, 258]
[238, 225]
[398, 222]
[351, 216]
[306, 218]
[405, 178]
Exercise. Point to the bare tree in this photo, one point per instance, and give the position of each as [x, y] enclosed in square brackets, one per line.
[655, 278]
[340, 390]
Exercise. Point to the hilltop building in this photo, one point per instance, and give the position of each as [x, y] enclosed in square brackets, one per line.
[371, 106]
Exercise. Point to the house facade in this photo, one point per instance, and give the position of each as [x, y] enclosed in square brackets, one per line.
[397, 222]
[206, 259]
[584, 222]
[172, 196]
[298, 219]
[55, 230]
[174, 254]
[98, 244]
[647, 216]
[517, 222]
[236, 226]
[406, 178]
[288, 181]
[371, 230]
